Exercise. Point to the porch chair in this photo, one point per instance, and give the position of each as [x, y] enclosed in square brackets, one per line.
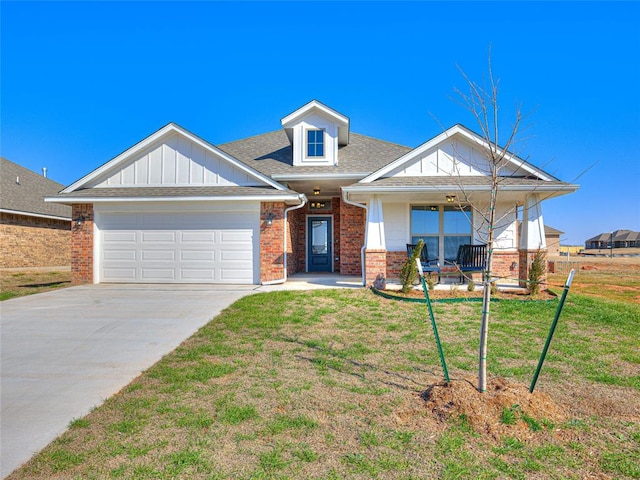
[471, 258]
[428, 266]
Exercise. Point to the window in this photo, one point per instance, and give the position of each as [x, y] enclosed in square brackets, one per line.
[442, 228]
[315, 143]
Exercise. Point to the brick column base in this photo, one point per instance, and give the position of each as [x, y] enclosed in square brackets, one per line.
[375, 264]
[82, 244]
[526, 258]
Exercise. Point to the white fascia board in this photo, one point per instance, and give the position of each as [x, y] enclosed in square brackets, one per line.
[455, 130]
[318, 176]
[468, 188]
[168, 129]
[314, 104]
[261, 198]
[38, 215]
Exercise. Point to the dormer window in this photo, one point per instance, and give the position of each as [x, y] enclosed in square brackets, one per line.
[315, 143]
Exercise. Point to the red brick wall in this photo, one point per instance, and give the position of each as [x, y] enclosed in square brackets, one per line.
[502, 262]
[395, 261]
[352, 226]
[82, 244]
[376, 264]
[34, 242]
[271, 242]
[524, 263]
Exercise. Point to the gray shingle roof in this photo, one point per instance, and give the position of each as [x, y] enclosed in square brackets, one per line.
[27, 195]
[164, 192]
[271, 154]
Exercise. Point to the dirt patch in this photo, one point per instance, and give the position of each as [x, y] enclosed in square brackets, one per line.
[506, 408]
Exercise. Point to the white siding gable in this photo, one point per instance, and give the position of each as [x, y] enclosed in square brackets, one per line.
[175, 160]
[454, 156]
[314, 121]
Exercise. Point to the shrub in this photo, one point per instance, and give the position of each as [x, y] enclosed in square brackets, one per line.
[471, 287]
[537, 271]
[409, 272]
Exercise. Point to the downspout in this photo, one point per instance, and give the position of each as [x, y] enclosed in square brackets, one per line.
[366, 231]
[303, 199]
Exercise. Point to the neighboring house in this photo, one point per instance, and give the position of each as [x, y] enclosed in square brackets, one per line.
[552, 237]
[310, 197]
[32, 233]
[620, 239]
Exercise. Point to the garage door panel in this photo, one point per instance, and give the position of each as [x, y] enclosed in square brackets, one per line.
[188, 237]
[120, 274]
[157, 274]
[199, 247]
[196, 255]
[126, 255]
[119, 236]
[156, 237]
[233, 275]
[166, 255]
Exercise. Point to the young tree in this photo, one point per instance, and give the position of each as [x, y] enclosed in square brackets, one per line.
[483, 104]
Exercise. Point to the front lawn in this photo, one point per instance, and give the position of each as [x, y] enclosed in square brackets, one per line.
[19, 284]
[327, 385]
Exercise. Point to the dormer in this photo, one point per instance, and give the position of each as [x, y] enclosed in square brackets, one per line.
[315, 132]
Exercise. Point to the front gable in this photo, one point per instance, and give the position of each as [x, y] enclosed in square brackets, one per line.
[455, 152]
[173, 157]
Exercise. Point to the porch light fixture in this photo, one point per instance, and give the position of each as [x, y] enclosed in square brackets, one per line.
[269, 219]
[316, 191]
[451, 198]
[79, 220]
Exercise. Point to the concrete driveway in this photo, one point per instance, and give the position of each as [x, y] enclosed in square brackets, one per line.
[66, 351]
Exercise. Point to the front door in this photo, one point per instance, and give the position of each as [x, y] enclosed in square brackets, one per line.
[319, 235]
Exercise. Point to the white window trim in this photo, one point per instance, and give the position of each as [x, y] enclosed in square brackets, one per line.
[305, 152]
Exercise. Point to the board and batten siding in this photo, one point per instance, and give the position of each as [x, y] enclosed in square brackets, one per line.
[175, 161]
[456, 157]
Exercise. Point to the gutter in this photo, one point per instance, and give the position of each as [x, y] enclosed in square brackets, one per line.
[482, 188]
[303, 199]
[366, 231]
[265, 198]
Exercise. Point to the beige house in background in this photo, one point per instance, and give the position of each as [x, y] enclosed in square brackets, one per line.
[32, 233]
[553, 240]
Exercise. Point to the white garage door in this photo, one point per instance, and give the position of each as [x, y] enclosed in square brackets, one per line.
[185, 247]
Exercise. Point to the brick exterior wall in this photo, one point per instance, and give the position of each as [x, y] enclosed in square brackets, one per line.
[502, 262]
[524, 263]
[376, 264]
[395, 261]
[352, 226]
[82, 245]
[34, 242]
[271, 242]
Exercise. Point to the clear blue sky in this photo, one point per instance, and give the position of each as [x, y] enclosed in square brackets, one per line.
[83, 81]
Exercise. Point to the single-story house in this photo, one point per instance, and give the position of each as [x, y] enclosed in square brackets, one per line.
[312, 196]
[32, 233]
[552, 236]
[619, 238]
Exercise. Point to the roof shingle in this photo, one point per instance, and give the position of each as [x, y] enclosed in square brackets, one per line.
[23, 190]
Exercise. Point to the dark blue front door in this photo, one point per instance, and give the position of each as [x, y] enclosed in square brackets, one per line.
[319, 235]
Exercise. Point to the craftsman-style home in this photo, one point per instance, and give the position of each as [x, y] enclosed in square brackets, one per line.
[312, 196]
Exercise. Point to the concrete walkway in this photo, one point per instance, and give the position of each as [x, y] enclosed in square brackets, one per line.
[66, 351]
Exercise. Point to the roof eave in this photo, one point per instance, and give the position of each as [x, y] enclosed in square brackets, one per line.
[69, 200]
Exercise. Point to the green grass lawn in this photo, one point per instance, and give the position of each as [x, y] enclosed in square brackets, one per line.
[327, 385]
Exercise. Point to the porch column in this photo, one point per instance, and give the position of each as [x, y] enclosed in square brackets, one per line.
[532, 235]
[375, 244]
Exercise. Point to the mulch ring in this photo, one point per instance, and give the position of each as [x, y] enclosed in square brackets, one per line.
[525, 412]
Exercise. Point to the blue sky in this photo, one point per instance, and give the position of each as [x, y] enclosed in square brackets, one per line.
[83, 81]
